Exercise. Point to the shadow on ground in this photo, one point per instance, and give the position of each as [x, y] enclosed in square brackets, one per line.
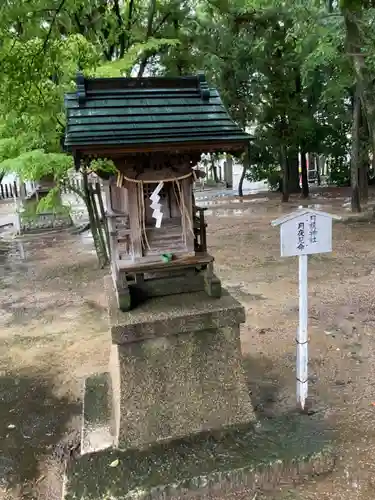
[269, 386]
[32, 425]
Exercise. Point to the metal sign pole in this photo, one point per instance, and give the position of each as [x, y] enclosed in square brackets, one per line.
[302, 336]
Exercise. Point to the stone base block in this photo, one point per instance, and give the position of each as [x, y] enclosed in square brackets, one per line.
[96, 419]
[277, 452]
[44, 222]
[176, 368]
[212, 286]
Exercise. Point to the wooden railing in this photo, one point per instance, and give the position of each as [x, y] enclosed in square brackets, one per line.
[200, 237]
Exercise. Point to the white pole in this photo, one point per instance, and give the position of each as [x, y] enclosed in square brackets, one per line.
[302, 339]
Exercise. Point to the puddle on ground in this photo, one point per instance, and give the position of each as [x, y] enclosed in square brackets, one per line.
[221, 201]
[313, 206]
[237, 212]
[324, 208]
[228, 212]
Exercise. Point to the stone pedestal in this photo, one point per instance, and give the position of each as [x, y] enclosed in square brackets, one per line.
[175, 370]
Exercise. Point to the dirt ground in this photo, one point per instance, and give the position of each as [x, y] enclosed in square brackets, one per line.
[53, 332]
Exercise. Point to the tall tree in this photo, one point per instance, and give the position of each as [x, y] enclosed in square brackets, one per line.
[43, 44]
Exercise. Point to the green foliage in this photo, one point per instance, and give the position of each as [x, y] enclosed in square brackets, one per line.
[104, 168]
[263, 163]
[124, 66]
[340, 172]
[283, 68]
[39, 61]
[36, 164]
[52, 203]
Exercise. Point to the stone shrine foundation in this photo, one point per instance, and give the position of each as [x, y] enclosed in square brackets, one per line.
[175, 370]
[172, 418]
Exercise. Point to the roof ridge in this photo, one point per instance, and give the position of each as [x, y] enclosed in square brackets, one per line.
[196, 84]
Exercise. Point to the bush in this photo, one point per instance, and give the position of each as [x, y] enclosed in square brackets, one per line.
[274, 180]
[339, 173]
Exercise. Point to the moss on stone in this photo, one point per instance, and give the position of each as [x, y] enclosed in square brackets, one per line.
[292, 445]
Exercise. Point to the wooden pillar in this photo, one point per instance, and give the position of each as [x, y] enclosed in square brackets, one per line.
[107, 196]
[187, 192]
[228, 172]
[135, 228]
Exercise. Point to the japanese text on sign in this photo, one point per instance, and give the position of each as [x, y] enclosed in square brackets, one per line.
[312, 229]
[312, 233]
[301, 236]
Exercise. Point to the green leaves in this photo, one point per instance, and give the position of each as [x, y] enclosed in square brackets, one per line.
[281, 66]
[123, 66]
[43, 44]
[36, 164]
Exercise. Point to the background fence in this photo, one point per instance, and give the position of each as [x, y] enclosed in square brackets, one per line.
[9, 190]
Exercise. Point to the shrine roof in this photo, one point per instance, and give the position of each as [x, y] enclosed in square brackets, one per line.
[131, 113]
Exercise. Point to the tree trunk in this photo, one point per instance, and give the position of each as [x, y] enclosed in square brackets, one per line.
[150, 20]
[293, 174]
[363, 179]
[316, 162]
[242, 178]
[121, 30]
[285, 175]
[305, 180]
[129, 23]
[352, 13]
[354, 160]
[363, 157]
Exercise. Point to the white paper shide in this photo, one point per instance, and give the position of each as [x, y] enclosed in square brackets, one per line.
[156, 206]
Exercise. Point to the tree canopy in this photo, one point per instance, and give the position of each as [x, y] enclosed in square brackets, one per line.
[298, 72]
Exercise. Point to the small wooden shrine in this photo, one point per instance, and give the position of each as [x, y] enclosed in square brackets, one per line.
[154, 130]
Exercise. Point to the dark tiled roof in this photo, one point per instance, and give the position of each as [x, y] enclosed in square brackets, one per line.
[125, 112]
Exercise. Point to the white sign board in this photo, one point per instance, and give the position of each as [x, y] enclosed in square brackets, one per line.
[302, 233]
[305, 232]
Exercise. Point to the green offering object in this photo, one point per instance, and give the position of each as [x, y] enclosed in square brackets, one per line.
[166, 257]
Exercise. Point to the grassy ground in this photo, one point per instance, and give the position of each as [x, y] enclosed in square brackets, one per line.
[54, 332]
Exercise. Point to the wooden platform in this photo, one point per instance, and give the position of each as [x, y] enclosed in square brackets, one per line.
[178, 263]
